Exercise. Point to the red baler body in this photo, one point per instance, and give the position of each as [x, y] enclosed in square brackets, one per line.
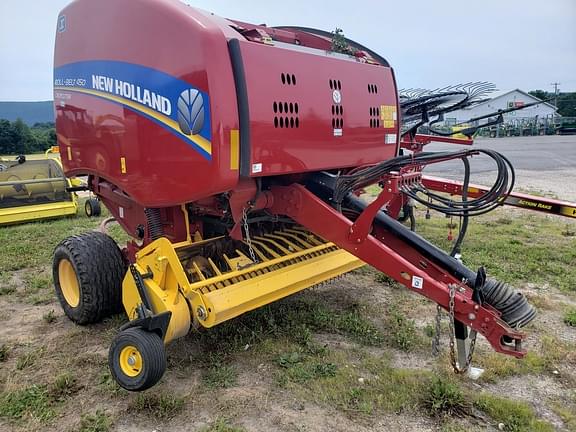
[108, 54]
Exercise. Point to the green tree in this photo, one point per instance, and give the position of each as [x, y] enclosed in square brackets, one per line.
[566, 101]
[18, 138]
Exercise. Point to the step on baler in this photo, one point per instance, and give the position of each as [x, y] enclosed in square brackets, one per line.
[235, 156]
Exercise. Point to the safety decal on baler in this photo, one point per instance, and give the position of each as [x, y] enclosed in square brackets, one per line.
[168, 101]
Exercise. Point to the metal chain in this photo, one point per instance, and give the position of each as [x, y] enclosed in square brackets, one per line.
[247, 232]
[452, 288]
[437, 330]
[472, 337]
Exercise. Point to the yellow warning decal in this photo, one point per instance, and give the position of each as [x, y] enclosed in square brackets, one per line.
[568, 211]
[388, 112]
[234, 149]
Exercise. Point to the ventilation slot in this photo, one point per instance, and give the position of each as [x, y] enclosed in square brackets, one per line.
[286, 115]
[337, 113]
[288, 79]
[374, 117]
[372, 89]
[335, 85]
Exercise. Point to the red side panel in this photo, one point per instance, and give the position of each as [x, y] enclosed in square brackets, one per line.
[310, 110]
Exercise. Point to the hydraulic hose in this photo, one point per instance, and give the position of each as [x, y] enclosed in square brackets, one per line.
[345, 184]
[464, 226]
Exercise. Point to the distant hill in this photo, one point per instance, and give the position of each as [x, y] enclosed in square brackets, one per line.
[29, 112]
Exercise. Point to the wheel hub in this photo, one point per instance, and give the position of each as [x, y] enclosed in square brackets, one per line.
[130, 361]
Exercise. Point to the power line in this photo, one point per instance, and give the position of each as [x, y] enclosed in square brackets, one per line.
[555, 84]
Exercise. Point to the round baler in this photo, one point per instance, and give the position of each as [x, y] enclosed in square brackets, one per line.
[220, 148]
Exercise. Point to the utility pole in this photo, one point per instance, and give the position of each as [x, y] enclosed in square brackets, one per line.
[555, 84]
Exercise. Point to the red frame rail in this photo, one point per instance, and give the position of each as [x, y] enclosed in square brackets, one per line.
[396, 259]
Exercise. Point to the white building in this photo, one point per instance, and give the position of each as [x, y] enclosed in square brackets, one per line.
[503, 100]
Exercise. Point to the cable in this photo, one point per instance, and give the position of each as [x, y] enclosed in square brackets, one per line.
[493, 198]
[485, 203]
[464, 225]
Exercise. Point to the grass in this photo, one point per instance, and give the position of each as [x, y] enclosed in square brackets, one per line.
[4, 352]
[351, 381]
[49, 317]
[443, 397]
[220, 375]
[65, 385]
[300, 366]
[161, 406]
[28, 359]
[529, 248]
[222, 425]
[38, 402]
[97, 422]
[570, 318]
[31, 402]
[551, 355]
[6, 290]
[294, 319]
[516, 416]
[566, 412]
[31, 245]
[401, 331]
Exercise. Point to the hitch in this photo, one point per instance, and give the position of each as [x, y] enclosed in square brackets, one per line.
[408, 259]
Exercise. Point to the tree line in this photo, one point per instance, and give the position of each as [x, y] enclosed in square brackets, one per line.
[565, 102]
[18, 138]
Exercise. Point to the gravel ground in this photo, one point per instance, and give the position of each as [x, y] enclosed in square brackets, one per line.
[544, 165]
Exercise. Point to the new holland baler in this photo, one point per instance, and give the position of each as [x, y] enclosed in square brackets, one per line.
[235, 155]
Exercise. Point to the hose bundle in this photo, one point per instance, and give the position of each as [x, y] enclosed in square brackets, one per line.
[466, 207]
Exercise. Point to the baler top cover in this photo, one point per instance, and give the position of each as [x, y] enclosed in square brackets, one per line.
[172, 104]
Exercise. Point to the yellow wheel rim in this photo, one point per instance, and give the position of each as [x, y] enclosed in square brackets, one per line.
[131, 361]
[69, 283]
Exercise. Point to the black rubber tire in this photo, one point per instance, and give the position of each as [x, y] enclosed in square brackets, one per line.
[100, 267]
[92, 207]
[151, 349]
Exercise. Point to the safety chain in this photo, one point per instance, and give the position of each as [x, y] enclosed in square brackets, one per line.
[436, 338]
[437, 329]
[248, 239]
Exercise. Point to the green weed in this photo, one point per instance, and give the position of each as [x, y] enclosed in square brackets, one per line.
[299, 367]
[28, 359]
[4, 352]
[161, 406]
[222, 425]
[64, 386]
[220, 375]
[97, 422]
[401, 331]
[570, 318]
[516, 416]
[30, 402]
[8, 289]
[444, 397]
[49, 317]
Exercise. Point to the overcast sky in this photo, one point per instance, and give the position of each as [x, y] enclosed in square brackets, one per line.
[524, 44]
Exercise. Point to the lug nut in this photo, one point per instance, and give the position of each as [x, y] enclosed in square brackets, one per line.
[201, 312]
